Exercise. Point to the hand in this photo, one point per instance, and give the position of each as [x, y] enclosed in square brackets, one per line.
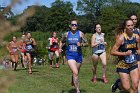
[97, 43]
[138, 51]
[10, 51]
[129, 52]
[60, 50]
[78, 44]
[105, 43]
[101, 40]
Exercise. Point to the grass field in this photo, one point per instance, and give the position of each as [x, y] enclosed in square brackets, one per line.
[47, 80]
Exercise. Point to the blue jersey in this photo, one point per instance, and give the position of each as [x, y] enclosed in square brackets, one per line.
[72, 40]
[73, 51]
[129, 45]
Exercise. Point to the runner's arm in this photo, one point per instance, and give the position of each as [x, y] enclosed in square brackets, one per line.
[93, 43]
[63, 40]
[8, 46]
[115, 50]
[34, 42]
[138, 44]
[84, 41]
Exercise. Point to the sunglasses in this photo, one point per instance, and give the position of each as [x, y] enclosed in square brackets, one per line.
[75, 25]
[134, 19]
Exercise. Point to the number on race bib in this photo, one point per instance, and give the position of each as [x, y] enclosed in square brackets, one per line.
[73, 48]
[29, 47]
[15, 49]
[131, 58]
[101, 47]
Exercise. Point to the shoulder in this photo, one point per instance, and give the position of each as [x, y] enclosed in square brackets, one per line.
[65, 34]
[81, 33]
[102, 34]
[93, 35]
[137, 36]
[120, 38]
[10, 42]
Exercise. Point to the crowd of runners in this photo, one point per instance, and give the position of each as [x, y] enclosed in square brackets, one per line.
[26, 46]
[126, 47]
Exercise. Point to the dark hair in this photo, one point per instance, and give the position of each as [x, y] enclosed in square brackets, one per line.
[52, 33]
[131, 14]
[121, 27]
[94, 31]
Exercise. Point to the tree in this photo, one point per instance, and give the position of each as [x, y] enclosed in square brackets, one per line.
[59, 16]
[36, 22]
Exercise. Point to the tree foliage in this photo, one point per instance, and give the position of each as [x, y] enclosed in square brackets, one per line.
[55, 18]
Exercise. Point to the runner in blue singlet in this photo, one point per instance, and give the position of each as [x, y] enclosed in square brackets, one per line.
[73, 51]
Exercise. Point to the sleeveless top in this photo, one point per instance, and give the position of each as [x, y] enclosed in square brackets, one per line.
[13, 47]
[101, 47]
[129, 45]
[71, 41]
[29, 45]
[54, 45]
[136, 31]
[22, 46]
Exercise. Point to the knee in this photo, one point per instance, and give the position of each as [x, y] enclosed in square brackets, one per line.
[135, 86]
[104, 65]
[126, 87]
[29, 59]
[13, 60]
[75, 73]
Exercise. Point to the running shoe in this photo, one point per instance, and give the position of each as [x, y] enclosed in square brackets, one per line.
[94, 80]
[51, 66]
[57, 65]
[78, 92]
[105, 80]
[115, 86]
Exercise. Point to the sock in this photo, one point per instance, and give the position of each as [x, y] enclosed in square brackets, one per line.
[50, 62]
[57, 59]
[76, 83]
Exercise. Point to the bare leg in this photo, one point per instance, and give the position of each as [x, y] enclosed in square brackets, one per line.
[125, 81]
[135, 80]
[57, 58]
[103, 59]
[29, 63]
[73, 66]
[95, 62]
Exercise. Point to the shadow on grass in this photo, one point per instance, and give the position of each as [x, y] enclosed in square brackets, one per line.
[123, 92]
[73, 91]
[100, 79]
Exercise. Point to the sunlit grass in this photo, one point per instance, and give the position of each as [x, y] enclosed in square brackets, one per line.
[46, 80]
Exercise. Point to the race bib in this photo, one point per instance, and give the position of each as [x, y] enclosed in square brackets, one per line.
[55, 46]
[73, 48]
[29, 47]
[14, 49]
[101, 47]
[131, 58]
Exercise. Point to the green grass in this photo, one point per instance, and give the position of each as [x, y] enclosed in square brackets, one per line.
[46, 80]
